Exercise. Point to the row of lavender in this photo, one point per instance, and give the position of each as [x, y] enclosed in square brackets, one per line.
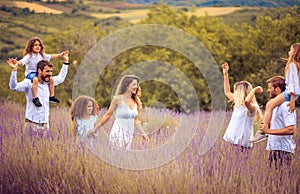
[59, 164]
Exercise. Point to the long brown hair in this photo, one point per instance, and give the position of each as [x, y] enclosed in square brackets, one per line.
[79, 105]
[294, 57]
[124, 83]
[29, 46]
[139, 95]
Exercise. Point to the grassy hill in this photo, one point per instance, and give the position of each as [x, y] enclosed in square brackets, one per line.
[79, 29]
[16, 30]
[20, 20]
[205, 3]
[249, 15]
[130, 12]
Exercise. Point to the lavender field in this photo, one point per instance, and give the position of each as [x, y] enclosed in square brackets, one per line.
[57, 164]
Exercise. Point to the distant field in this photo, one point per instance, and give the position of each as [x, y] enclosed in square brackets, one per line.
[136, 15]
[131, 12]
[119, 5]
[130, 15]
[217, 11]
[56, 0]
[36, 7]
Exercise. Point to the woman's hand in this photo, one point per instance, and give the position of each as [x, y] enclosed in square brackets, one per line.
[93, 133]
[145, 138]
[225, 68]
[258, 89]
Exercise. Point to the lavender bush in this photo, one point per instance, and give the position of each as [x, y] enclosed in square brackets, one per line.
[57, 164]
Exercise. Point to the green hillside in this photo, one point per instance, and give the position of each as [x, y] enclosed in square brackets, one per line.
[251, 40]
[250, 16]
[205, 3]
[17, 24]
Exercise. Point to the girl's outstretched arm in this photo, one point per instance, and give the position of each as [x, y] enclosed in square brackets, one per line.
[248, 101]
[113, 105]
[227, 91]
[15, 61]
[53, 56]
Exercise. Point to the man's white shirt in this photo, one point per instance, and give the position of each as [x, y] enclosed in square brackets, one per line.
[281, 118]
[33, 113]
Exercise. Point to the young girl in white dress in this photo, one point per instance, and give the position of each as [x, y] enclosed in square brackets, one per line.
[84, 111]
[125, 106]
[33, 53]
[246, 110]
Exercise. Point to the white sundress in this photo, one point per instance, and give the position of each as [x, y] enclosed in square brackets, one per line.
[123, 128]
[240, 128]
[31, 61]
[82, 128]
[292, 80]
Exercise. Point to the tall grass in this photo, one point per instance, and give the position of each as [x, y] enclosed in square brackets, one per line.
[57, 164]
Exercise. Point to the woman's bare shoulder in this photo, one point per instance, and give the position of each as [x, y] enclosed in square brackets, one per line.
[116, 100]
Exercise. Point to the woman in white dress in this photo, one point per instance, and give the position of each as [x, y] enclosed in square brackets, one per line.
[126, 106]
[246, 110]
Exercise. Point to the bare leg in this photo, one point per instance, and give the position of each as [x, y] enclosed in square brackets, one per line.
[35, 99]
[51, 89]
[35, 82]
[51, 86]
[270, 106]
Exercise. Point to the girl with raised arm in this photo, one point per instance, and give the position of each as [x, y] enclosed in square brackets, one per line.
[246, 110]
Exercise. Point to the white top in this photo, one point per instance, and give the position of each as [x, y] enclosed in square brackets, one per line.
[292, 80]
[33, 113]
[85, 125]
[240, 128]
[281, 118]
[31, 61]
[123, 128]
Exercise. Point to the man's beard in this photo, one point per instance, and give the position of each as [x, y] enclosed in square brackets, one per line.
[44, 78]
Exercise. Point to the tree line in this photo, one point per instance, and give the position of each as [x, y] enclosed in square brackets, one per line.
[253, 52]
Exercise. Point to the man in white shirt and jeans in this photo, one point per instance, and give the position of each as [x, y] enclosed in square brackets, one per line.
[281, 130]
[37, 118]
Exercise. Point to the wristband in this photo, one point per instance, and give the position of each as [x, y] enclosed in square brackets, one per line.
[66, 63]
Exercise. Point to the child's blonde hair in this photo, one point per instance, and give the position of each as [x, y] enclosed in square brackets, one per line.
[241, 90]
